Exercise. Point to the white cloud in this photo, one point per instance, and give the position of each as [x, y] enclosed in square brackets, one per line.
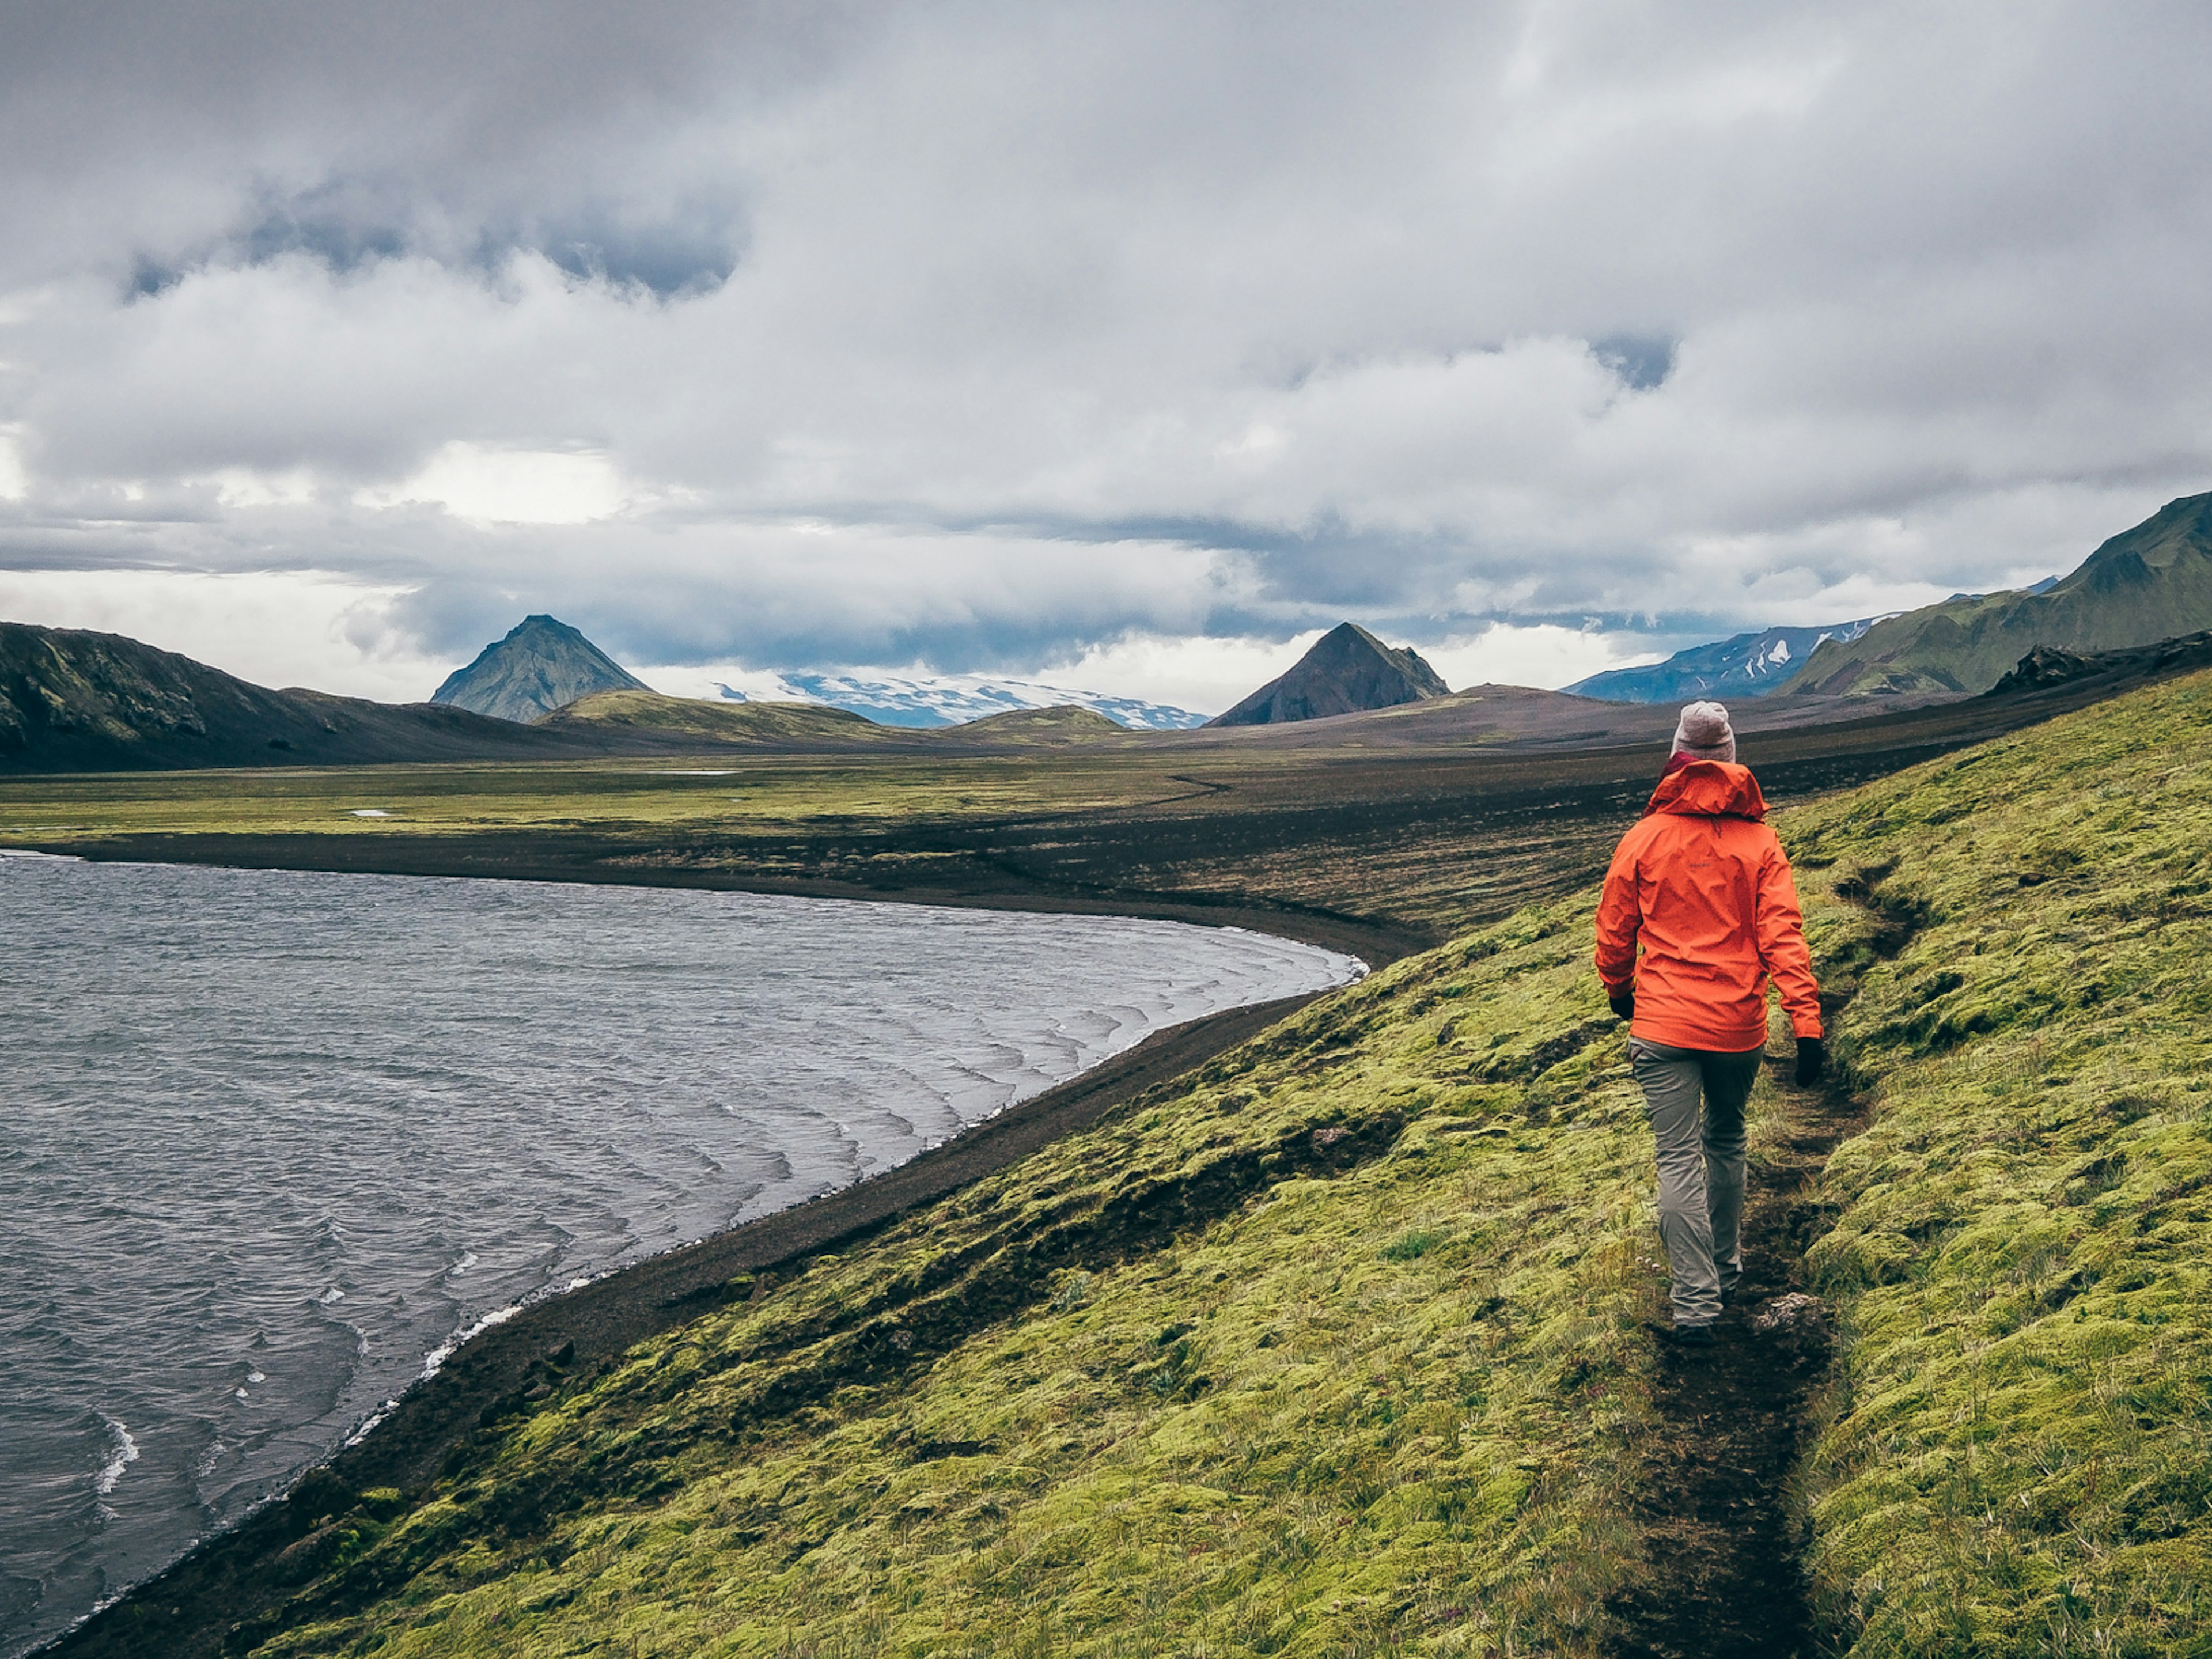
[489, 486]
[1546, 655]
[242, 486]
[1012, 339]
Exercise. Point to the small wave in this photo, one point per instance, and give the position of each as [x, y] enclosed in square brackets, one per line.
[122, 1454]
[371, 1421]
[333, 1294]
[435, 1359]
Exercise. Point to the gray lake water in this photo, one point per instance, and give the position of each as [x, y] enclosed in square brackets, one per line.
[270, 1141]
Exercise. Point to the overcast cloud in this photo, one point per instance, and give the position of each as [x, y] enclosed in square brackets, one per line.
[1127, 342]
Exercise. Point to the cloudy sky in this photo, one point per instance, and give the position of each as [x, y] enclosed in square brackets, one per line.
[1121, 344]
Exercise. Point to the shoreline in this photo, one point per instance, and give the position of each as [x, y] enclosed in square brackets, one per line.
[227, 1577]
[508, 855]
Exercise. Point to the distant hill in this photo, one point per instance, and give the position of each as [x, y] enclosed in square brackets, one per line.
[700, 721]
[2145, 585]
[952, 699]
[1069, 723]
[540, 666]
[1348, 671]
[76, 701]
[627, 718]
[1747, 665]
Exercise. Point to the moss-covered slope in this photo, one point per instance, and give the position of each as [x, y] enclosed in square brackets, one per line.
[2021, 1461]
[1341, 1347]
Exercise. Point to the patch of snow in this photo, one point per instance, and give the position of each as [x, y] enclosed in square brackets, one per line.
[952, 699]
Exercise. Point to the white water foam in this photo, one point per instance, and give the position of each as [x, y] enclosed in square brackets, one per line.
[123, 1453]
[435, 1360]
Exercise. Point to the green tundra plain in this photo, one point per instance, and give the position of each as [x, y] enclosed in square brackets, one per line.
[1345, 1344]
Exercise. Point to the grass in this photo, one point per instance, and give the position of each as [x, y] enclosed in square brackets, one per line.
[2020, 1456]
[614, 797]
[1339, 1346]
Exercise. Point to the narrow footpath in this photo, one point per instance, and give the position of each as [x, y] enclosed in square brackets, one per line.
[1726, 1580]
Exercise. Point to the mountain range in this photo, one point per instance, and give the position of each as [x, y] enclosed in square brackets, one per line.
[77, 701]
[1748, 666]
[2146, 584]
[1348, 671]
[72, 701]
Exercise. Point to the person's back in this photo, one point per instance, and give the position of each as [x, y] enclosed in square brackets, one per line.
[1702, 886]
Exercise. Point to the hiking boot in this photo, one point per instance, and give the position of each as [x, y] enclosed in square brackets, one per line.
[1690, 1336]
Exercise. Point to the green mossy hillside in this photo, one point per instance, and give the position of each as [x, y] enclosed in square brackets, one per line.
[2020, 1460]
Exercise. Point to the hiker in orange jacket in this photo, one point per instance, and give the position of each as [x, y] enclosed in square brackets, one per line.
[1702, 886]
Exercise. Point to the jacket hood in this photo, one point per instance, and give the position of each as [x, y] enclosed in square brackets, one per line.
[1703, 789]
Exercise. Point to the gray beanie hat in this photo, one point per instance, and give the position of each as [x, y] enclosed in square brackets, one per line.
[1704, 734]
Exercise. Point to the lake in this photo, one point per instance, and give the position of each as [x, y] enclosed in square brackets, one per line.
[270, 1141]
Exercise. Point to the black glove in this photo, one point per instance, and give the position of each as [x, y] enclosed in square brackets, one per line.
[1623, 1005]
[1812, 1061]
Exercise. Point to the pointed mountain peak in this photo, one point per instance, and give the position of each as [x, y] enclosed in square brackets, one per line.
[1347, 672]
[540, 666]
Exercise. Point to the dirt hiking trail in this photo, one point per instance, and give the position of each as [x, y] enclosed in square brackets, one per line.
[1725, 1548]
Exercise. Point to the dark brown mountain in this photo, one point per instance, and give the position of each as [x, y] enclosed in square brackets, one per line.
[1347, 672]
[542, 664]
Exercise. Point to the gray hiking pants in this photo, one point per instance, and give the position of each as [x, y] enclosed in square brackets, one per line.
[1701, 1167]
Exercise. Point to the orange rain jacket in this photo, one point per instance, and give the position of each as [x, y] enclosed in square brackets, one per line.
[1702, 885]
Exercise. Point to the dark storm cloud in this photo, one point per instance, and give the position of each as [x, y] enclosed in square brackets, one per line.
[982, 332]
